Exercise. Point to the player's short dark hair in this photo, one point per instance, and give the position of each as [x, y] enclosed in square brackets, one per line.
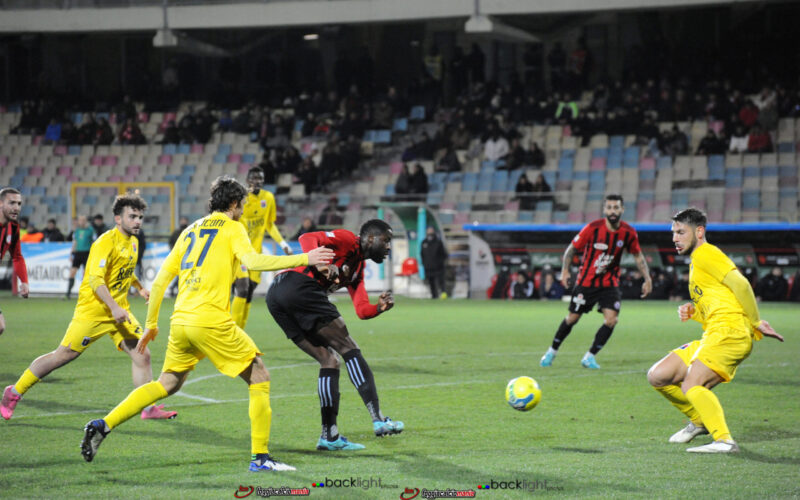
[132, 200]
[255, 170]
[374, 227]
[692, 216]
[615, 197]
[225, 190]
[6, 191]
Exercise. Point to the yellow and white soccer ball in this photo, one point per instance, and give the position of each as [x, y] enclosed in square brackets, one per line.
[523, 393]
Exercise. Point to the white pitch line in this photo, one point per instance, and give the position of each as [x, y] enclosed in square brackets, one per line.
[204, 400]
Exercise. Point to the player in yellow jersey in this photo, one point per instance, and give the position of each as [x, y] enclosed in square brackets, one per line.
[723, 302]
[258, 216]
[102, 308]
[204, 258]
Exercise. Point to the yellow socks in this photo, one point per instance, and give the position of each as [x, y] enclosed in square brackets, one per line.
[710, 411]
[238, 308]
[140, 398]
[260, 417]
[25, 382]
[675, 395]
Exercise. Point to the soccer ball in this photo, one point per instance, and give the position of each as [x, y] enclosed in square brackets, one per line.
[523, 393]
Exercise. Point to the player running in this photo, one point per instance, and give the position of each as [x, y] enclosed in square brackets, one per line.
[102, 309]
[601, 242]
[723, 302]
[10, 205]
[201, 326]
[258, 216]
[298, 300]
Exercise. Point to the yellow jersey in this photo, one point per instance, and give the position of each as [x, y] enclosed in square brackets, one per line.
[258, 216]
[715, 303]
[205, 258]
[111, 261]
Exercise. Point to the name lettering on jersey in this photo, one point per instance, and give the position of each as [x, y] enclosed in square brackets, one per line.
[601, 246]
[213, 223]
[122, 275]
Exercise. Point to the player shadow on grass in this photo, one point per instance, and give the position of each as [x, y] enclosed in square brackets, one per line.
[746, 454]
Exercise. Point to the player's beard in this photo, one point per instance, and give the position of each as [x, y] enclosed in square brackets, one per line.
[688, 249]
[613, 219]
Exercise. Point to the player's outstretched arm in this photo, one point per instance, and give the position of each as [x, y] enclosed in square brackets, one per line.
[566, 262]
[765, 328]
[744, 295]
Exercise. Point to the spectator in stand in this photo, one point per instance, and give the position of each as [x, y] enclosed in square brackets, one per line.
[171, 134]
[103, 134]
[524, 193]
[522, 288]
[130, 133]
[662, 285]
[51, 232]
[460, 138]
[424, 149]
[268, 167]
[794, 293]
[773, 286]
[759, 140]
[449, 161]
[419, 182]
[32, 235]
[24, 221]
[681, 289]
[567, 108]
[225, 123]
[748, 115]
[69, 134]
[88, 129]
[307, 173]
[289, 160]
[126, 109]
[552, 289]
[535, 156]
[330, 215]
[541, 190]
[516, 157]
[402, 186]
[307, 226]
[739, 140]
[52, 135]
[710, 145]
[330, 166]
[98, 225]
[496, 146]
[675, 142]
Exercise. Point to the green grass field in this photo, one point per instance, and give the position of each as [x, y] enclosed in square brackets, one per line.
[441, 367]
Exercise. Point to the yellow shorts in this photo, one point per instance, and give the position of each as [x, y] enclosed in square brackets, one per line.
[228, 347]
[242, 272]
[81, 333]
[722, 349]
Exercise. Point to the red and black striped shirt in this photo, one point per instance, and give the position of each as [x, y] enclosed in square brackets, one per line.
[602, 252]
[9, 242]
[347, 252]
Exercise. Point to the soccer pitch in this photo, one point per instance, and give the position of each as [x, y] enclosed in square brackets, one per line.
[441, 367]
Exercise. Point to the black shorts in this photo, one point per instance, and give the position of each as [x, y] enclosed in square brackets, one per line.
[584, 298]
[79, 259]
[300, 307]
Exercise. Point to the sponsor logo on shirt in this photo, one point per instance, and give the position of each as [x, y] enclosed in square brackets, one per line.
[102, 263]
[263, 203]
[601, 246]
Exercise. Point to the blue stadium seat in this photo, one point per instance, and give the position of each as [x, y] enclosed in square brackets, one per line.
[629, 162]
[383, 137]
[417, 113]
[546, 206]
[616, 141]
[446, 217]
[224, 149]
[273, 187]
[389, 190]
[751, 171]
[39, 190]
[89, 200]
[434, 198]
[249, 158]
[485, 181]
[438, 177]
[716, 161]
[580, 175]
[632, 152]
[770, 171]
[488, 166]
[25, 191]
[786, 147]
[469, 181]
[788, 192]
[560, 216]
[787, 171]
[568, 153]
[549, 176]
[566, 163]
[169, 149]
[170, 177]
[647, 196]
[161, 198]
[23, 171]
[513, 178]
[600, 153]
[74, 150]
[663, 162]
[298, 125]
[647, 175]
[525, 216]
[220, 158]
[716, 172]
[596, 196]
[343, 198]
[614, 161]
[751, 200]
[500, 180]
[733, 178]
[369, 136]
[463, 206]
[189, 169]
[184, 149]
[400, 125]
[454, 177]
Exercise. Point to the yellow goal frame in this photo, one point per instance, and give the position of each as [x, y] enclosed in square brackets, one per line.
[122, 188]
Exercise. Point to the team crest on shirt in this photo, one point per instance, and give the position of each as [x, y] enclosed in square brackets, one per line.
[244, 268]
[616, 305]
[134, 248]
[263, 203]
[8, 239]
[620, 243]
[684, 346]
[102, 263]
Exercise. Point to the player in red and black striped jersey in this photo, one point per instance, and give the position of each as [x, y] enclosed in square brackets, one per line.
[298, 301]
[601, 242]
[10, 205]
